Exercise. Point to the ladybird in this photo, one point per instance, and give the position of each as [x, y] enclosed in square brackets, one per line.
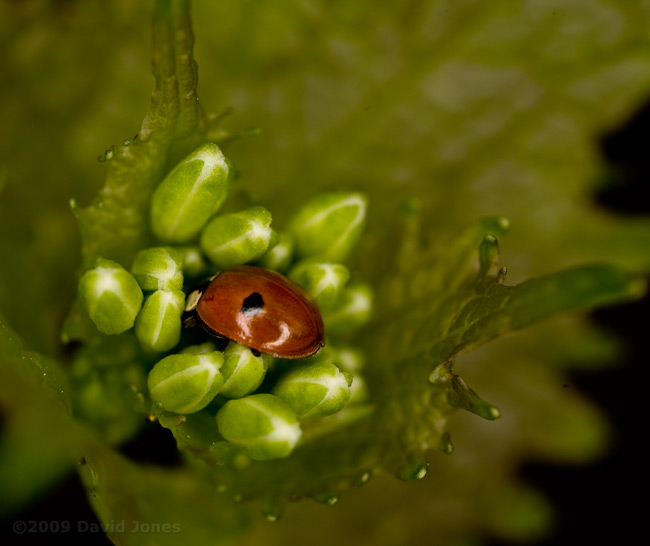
[262, 310]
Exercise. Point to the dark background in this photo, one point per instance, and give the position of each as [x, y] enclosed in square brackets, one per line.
[600, 501]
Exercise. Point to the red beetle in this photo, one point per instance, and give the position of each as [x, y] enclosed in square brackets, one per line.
[262, 310]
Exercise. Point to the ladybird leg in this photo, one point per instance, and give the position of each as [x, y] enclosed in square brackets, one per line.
[192, 300]
[194, 333]
[189, 320]
[189, 316]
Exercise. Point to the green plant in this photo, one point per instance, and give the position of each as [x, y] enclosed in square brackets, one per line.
[439, 286]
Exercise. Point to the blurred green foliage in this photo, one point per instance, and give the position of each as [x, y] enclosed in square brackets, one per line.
[442, 112]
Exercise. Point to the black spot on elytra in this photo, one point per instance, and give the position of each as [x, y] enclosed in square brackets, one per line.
[253, 304]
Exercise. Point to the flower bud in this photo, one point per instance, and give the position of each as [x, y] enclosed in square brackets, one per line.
[278, 257]
[188, 196]
[262, 425]
[353, 310]
[359, 393]
[158, 326]
[186, 383]
[111, 296]
[314, 390]
[324, 281]
[328, 226]
[158, 268]
[350, 359]
[242, 370]
[194, 264]
[234, 239]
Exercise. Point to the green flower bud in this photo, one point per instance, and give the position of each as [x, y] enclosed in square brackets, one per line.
[111, 296]
[158, 268]
[353, 310]
[278, 257]
[358, 390]
[242, 370]
[234, 239]
[328, 226]
[324, 281]
[350, 359]
[314, 390]
[188, 196]
[194, 265]
[158, 326]
[186, 383]
[262, 425]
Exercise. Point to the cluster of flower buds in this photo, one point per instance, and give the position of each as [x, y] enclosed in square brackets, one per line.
[257, 401]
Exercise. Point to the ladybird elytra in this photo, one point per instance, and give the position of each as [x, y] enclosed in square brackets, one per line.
[263, 310]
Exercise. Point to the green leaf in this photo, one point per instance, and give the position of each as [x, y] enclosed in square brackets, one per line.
[116, 224]
[470, 108]
[146, 505]
[503, 309]
[37, 445]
